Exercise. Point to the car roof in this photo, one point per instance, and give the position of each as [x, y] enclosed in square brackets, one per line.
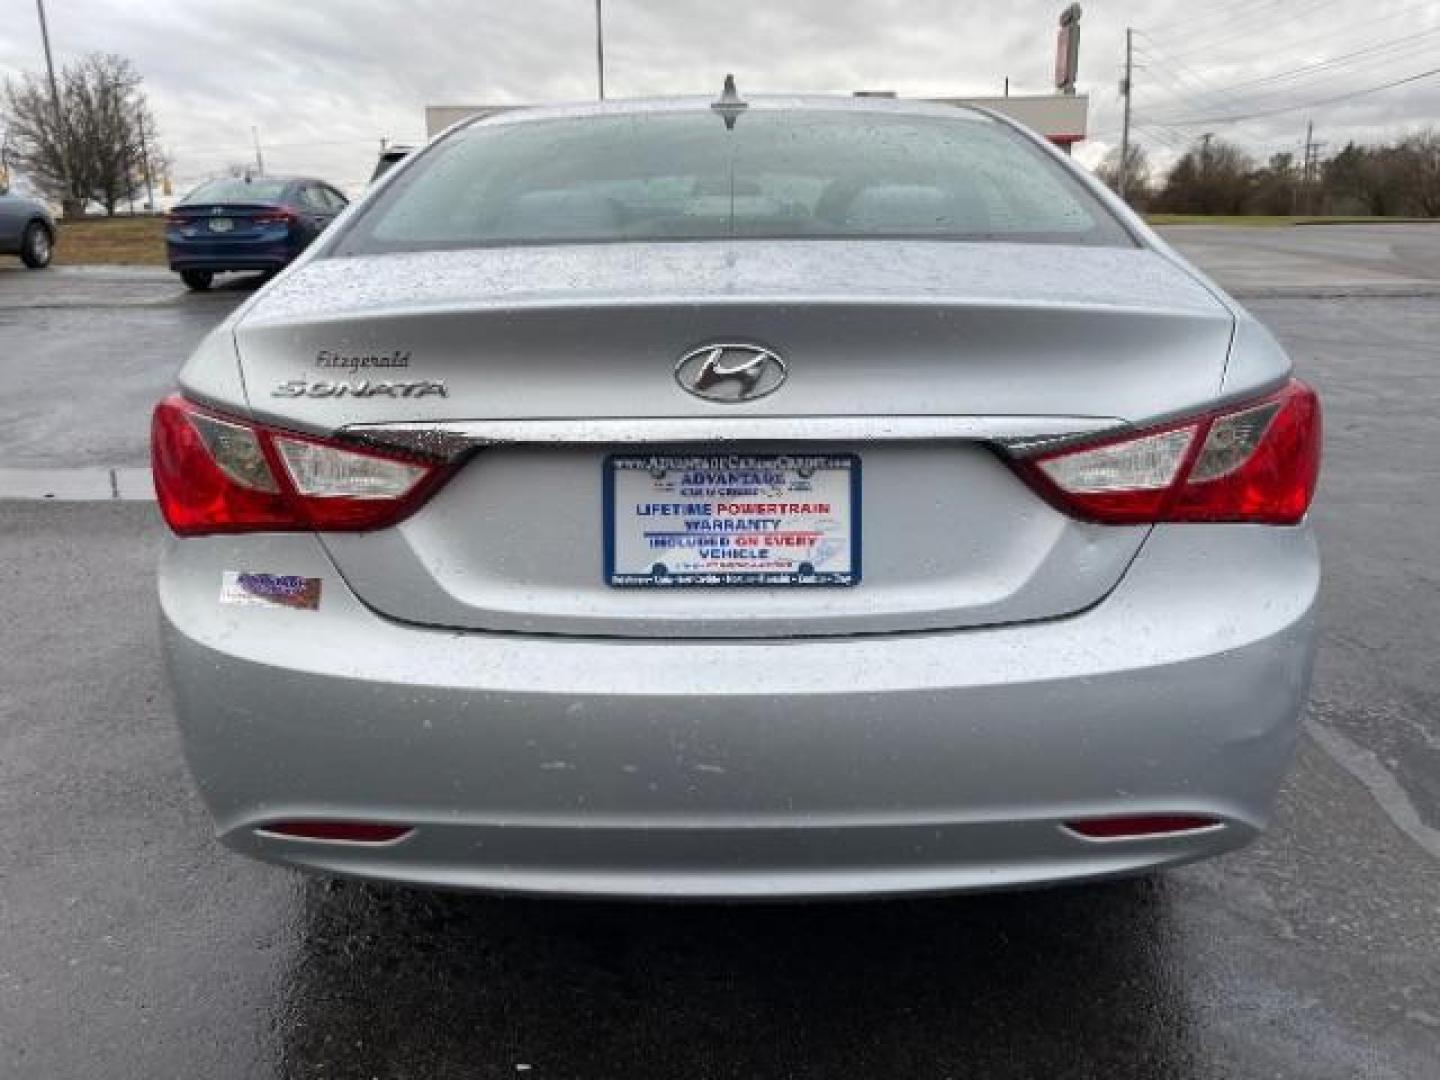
[758, 103]
[279, 179]
[285, 181]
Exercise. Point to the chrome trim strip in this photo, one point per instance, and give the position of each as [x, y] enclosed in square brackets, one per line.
[452, 438]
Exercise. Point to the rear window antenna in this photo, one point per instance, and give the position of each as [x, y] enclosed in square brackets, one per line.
[729, 104]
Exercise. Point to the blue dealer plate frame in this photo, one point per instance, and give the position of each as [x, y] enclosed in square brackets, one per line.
[692, 580]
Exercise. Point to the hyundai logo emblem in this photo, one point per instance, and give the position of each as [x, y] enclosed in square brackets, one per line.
[728, 372]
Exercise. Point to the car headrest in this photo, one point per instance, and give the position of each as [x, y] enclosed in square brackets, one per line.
[905, 208]
[562, 213]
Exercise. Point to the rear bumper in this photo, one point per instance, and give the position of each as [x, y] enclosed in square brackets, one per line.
[232, 255]
[866, 765]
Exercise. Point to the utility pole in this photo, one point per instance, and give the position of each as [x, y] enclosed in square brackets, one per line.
[145, 162]
[1305, 169]
[55, 104]
[1122, 182]
[49, 60]
[259, 158]
[1310, 170]
[600, 46]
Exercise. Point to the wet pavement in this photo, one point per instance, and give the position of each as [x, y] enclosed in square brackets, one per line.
[86, 353]
[134, 947]
[1392, 258]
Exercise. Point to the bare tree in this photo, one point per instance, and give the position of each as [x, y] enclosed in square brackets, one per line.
[94, 149]
[155, 162]
[1367, 178]
[1137, 173]
[1276, 187]
[35, 143]
[1420, 166]
[1214, 177]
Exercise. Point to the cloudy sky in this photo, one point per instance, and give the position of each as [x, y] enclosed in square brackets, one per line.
[322, 81]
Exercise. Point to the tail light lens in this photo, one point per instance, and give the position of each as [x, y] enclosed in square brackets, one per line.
[217, 474]
[276, 217]
[1257, 462]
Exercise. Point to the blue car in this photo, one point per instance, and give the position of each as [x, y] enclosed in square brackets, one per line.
[246, 223]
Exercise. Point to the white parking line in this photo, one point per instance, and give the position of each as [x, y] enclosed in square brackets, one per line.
[133, 485]
[77, 485]
[1365, 766]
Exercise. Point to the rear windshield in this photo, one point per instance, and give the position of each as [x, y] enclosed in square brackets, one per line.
[777, 174]
[238, 190]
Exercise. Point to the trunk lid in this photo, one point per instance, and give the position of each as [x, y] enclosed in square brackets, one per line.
[903, 354]
[225, 222]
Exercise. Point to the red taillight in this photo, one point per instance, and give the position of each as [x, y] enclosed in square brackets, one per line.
[1116, 828]
[349, 832]
[217, 474]
[1256, 462]
[276, 217]
[211, 475]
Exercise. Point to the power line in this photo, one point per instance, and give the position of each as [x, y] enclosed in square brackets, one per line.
[1178, 89]
[1217, 11]
[1177, 141]
[1196, 122]
[1387, 52]
[1174, 142]
[1203, 85]
[1234, 102]
[1183, 88]
[1248, 26]
[1188, 85]
[1345, 32]
[1406, 44]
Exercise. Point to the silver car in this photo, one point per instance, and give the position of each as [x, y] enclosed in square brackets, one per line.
[26, 230]
[799, 497]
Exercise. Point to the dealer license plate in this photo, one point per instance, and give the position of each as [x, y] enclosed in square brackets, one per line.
[732, 519]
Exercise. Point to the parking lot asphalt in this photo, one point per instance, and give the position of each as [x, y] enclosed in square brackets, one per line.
[132, 946]
[86, 353]
[1400, 258]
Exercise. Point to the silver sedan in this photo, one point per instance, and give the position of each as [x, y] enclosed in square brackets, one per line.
[797, 497]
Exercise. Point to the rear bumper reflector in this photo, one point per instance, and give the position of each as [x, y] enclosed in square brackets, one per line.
[349, 832]
[1119, 828]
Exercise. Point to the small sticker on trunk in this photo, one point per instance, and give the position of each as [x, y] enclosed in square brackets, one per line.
[270, 590]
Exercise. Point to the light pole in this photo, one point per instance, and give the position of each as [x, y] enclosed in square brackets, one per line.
[49, 60]
[145, 160]
[55, 104]
[1121, 183]
[600, 46]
